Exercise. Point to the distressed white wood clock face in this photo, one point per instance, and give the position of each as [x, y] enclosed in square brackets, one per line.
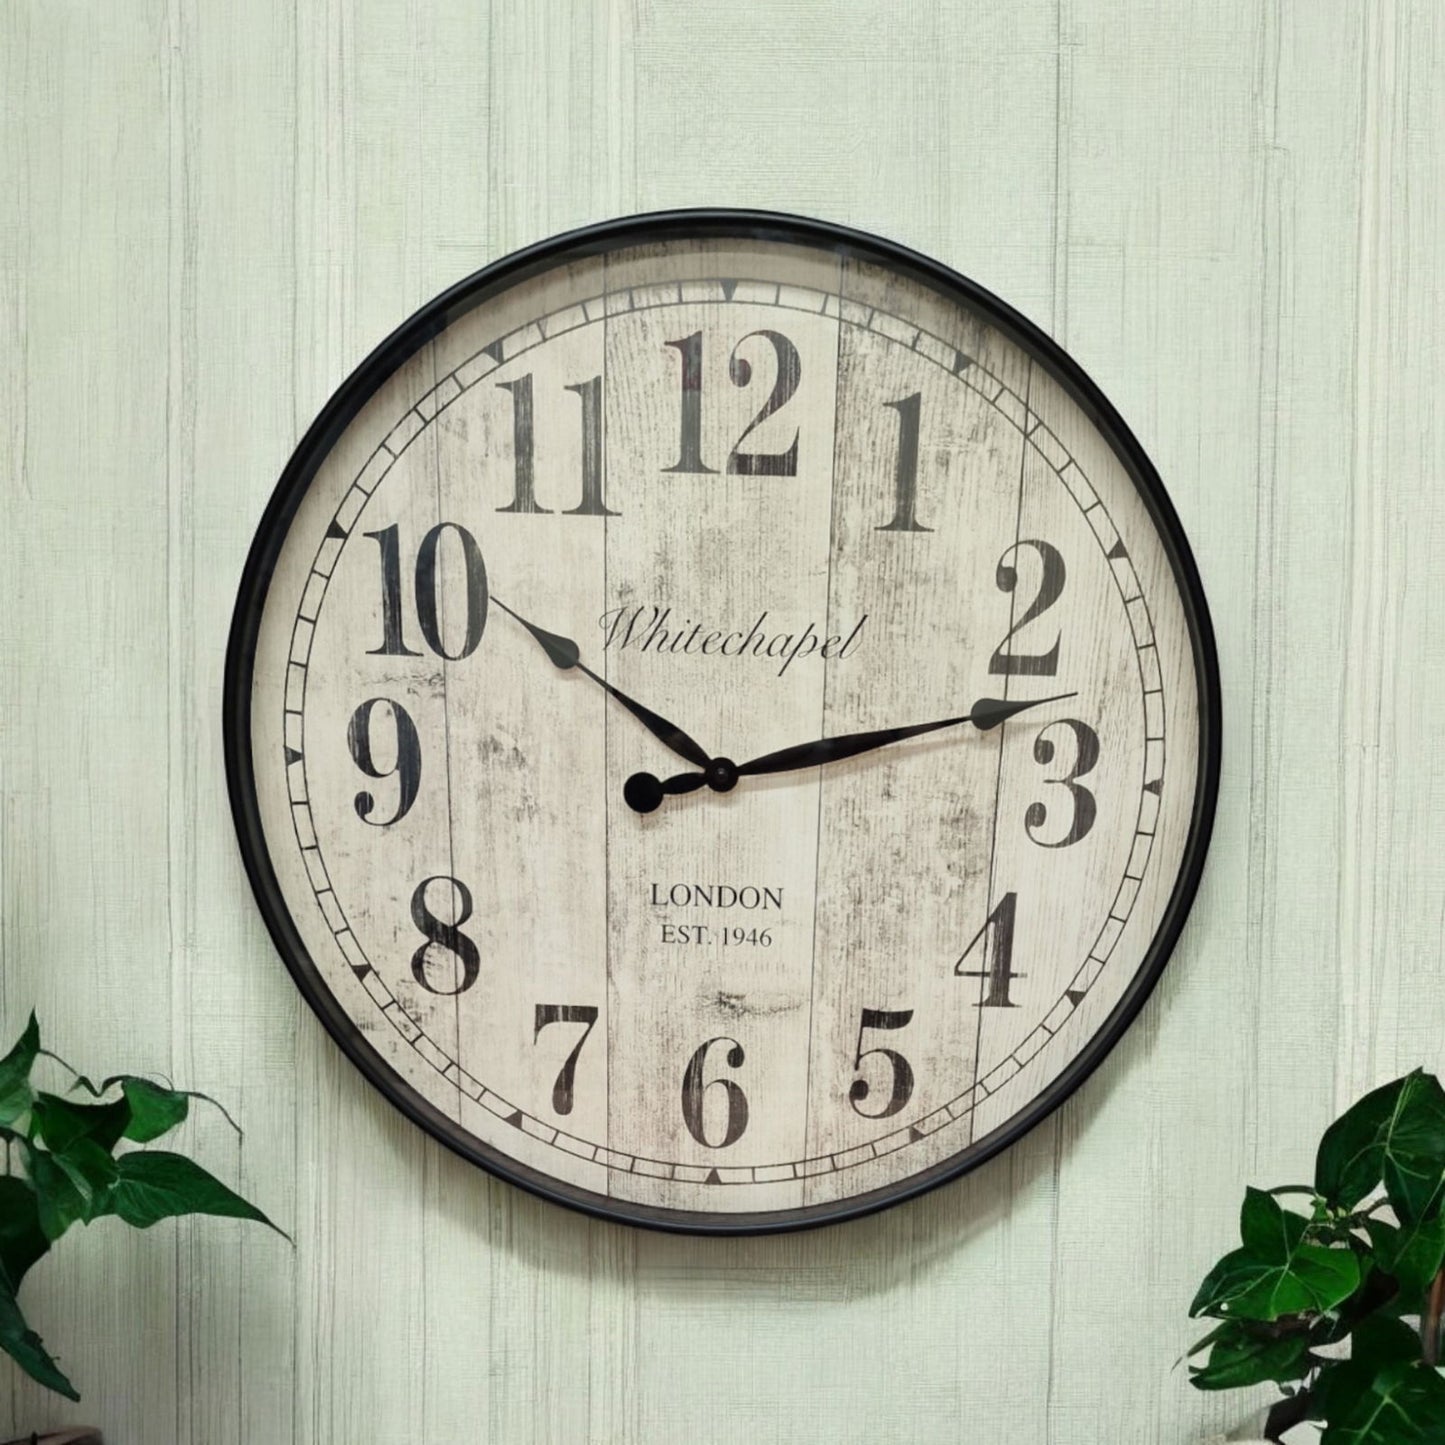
[531, 674]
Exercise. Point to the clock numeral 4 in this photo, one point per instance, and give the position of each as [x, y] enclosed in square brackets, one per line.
[997, 952]
[428, 596]
[565, 1013]
[789, 372]
[695, 1085]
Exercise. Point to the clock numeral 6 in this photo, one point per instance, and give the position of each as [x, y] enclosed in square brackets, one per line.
[695, 1087]
[406, 769]
[467, 959]
[1086, 756]
[901, 1089]
[428, 596]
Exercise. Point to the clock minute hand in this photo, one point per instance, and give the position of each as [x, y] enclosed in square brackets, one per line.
[986, 713]
[566, 656]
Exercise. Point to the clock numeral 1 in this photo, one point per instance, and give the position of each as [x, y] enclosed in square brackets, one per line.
[428, 602]
[406, 769]
[694, 1088]
[997, 937]
[565, 1013]
[901, 1089]
[447, 936]
[524, 493]
[905, 474]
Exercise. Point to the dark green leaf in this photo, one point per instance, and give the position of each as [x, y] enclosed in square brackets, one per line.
[15, 1094]
[1382, 1341]
[60, 1204]
[1394, 1136]
[1247, 1355]
[92, 1171]
[155, 1185]
[61, 1123]
[153, 1110]
[1392, 1404]
[22, 1241]
[1415, 1252]
[25, 1347]
[1277, 1272]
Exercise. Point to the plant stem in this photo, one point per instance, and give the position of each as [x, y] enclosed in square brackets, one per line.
[1430, 1320]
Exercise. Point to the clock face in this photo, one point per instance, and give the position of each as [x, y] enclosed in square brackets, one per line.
[529, 683]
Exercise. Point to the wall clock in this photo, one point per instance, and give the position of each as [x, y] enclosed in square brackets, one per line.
[722, 721]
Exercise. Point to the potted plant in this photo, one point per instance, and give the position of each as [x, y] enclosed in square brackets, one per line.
[1340, 1302]
[65, 1165]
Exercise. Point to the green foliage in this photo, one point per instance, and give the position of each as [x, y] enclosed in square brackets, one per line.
[1300, 1283]
[64, 1170]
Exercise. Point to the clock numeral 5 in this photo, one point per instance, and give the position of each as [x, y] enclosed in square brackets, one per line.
[740, 371]
[901, 1089]
[565, 1013]
[428, 600]
[695, 1087]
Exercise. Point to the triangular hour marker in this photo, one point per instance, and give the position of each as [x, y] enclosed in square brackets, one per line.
[712, 1177]
[914, 1135]
[361, 969]
[1074, 995]
[494, 349]
[292, 756]
[515, 1119]
[1154, 787]
[1118, 550]
[961, 360]
[728, 288]
[336, 530]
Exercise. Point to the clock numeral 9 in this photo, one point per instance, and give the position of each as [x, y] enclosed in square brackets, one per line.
[447, 936]
[901, 1089]
[1044, 664]
[740, 371]
[406, 770]
[428, 598]
[1086, 756]
[694, 1089]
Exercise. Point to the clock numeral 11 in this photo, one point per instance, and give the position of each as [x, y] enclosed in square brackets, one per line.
[524, 493]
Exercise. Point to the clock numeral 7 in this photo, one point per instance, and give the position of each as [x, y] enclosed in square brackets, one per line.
[901, 1089]
[565, 1013]
[997, 938]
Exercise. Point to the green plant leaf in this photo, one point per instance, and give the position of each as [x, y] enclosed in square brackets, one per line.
[153, 1110]
[155, 1185]
[1276, 1273]
[59, 1203]
[92, 1171]
[61, 1123]
[22, 1241]
[25, 1347]
[15, 1093]
[1394, 1136]
[1413, 1252]
[1248, 1355]
[1394, 1404]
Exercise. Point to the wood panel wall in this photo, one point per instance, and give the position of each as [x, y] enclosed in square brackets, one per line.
[1230, 211]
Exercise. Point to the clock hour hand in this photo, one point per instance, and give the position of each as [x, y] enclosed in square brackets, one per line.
[566, 656]
[644, 793]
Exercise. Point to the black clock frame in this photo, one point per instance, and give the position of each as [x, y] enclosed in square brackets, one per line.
[336, 415]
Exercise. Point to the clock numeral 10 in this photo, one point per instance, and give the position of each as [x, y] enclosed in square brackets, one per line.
[428, 598]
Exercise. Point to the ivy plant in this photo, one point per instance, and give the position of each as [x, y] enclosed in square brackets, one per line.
[1339, 1302]
[64, 1166]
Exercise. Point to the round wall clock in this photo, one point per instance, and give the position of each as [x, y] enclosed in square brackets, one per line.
[722, 721]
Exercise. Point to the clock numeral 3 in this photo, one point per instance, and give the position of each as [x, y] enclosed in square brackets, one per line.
[428, 601]
[1086, 756]
[694, 1089]
[565, 1013]
[406, 770]
[740, 371]
[448, 936]
[902, 1084]
[1044, 664]
[997, 938]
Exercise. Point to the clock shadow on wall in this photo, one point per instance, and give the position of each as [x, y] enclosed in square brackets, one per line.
[722, 722]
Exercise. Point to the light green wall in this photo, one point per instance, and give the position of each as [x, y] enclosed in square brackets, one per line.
[1229, 210]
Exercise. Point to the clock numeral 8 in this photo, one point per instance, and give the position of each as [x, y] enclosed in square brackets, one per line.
[448, 936]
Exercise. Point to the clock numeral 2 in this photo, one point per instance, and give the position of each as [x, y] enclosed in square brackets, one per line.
[997, 937]
[565, 1013]
[1045, 664]
[447, 936]
[428, 600]
[740, 371]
